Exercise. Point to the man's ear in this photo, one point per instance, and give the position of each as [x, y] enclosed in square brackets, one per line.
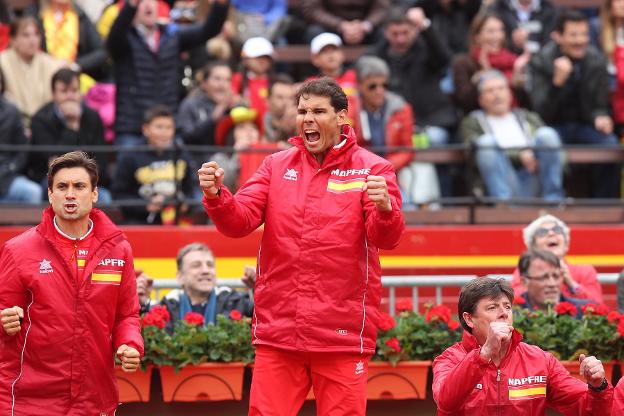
[468, 318]
[342, 117]
[555, 36]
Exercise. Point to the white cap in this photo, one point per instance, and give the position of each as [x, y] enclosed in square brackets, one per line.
[257, 47]
[324, 39]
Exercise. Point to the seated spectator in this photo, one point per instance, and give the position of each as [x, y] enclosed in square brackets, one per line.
[146, 61]
[487, 51]
[67, 121]
[505, 138]
[570, 92]
[382, 118]
[200, 112]
[162, 176]
[27, 70]
[355, 21]
[259, 18]
[328, 57]
[467, 376]
[550, 233]
[14, 186]
[280, 119]
[252, 81]
[541, 275]
[528, 23]
[197, 275]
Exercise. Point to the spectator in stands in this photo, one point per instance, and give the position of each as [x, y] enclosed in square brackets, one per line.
[69, 35]
[110, 13]
[67, 121]
[488, 51]
[570, 91]
[541, 275]
[356, 21]
[146, 61]
[528, 23]
[328, 57]
[14, 186]
[259, 18]
[200, 112]
[144, 290]
[550, 233]
[27, 70]
[382, 118]
[467, 376]
[505, 137]
[252, 81]
[279, 121]
[162, 176]
[197, 274]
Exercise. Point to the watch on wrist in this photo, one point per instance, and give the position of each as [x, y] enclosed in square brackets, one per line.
[600, 388]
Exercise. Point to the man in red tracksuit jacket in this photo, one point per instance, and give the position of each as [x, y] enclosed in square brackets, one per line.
[491, 372]
[68, 303]
[327, 206]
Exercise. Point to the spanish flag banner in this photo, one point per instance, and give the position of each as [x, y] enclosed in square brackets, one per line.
[352, 185]
[106, 278]
[528, 392]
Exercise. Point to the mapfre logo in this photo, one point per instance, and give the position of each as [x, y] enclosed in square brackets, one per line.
[527, 380]
[112, 262]
[349, 172]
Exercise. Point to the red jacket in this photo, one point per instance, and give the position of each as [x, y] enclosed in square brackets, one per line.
[618, 398]
[584, 274]
[318, 286]
[527, 382]
[61, 363]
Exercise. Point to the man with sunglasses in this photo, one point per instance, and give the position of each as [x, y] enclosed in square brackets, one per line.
[577, 280]
[541, 275]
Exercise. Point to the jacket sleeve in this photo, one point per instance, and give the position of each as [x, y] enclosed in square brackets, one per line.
[570, 396]
[240, 214]
[13, 292]
[377, 12]
[196, 34]
[117, 42]
[438, 54]
[402, 138]
[192, 130]
[589, 286]
[465, 94]
[314, 12]
[470, 129]
[92, 51]
[384, 229]
[127, 329]
[545, 96]
[448, 368]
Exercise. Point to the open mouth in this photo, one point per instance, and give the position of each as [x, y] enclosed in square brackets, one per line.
[553, 244]
[70, 207]
[312, 136]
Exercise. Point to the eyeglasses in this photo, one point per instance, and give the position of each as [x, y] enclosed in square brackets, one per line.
[556, 276]
[543, 232]
[374, 86]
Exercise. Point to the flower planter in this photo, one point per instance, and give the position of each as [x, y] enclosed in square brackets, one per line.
[574, 368]
[408, 380]
[134, 387]
[205, 382]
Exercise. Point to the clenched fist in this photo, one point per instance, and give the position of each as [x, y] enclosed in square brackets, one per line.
[210, 179]
[11, 320]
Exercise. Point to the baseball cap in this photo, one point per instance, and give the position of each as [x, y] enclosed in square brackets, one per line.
[257, 47]
[324, 39]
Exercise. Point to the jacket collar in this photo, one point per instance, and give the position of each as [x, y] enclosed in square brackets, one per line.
[103, 227]
[336, 154]
[469, 342]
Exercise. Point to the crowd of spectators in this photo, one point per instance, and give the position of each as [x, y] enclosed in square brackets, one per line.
[514, 79]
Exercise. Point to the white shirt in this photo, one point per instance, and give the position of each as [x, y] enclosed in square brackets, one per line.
[507, 131]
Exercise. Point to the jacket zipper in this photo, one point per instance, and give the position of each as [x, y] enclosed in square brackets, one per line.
[498, 378]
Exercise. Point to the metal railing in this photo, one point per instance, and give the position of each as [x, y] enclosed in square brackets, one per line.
[392, 283]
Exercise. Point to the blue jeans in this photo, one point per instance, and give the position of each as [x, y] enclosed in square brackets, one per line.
[504, 181]
[24, 190]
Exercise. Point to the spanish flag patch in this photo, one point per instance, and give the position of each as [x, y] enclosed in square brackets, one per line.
[527, 393]
[106, 278]
[352, 185]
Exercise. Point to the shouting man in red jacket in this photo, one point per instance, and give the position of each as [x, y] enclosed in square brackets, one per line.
[327, 206]
[491, 372]
[68, 302]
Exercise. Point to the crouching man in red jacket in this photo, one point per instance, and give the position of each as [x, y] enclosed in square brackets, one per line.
[327, 206]
[68, 303]
[491, 372]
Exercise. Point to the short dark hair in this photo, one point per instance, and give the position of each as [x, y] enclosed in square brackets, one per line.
[157, 111]
[65, 76]
[525, 260]
[207, 69]
[477, 289]
[396, 15]
[325, 87]
[17, 24]
[189, 248]
[280, 79]
[75, 159]
[569, 15]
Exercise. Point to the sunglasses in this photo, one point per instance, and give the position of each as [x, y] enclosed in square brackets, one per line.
[374, 86]
[543, 232]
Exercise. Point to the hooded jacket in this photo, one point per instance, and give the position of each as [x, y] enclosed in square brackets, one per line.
[61, 362]
[318, 284]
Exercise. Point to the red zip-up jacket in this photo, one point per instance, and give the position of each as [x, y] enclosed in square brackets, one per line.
[528, 381]
[61, 362]
[318, 284]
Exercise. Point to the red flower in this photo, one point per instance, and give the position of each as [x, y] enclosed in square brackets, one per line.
[592, 309]
[386, 322]
[158, 317]
[563, 308]
[193, 318]
[518, 300]
[394, 344]
[453, 325]
[235, 315]
[404, 304]
[438, 312]
[614, 316]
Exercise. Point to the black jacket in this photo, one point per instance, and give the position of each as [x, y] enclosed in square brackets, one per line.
[12, 163]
